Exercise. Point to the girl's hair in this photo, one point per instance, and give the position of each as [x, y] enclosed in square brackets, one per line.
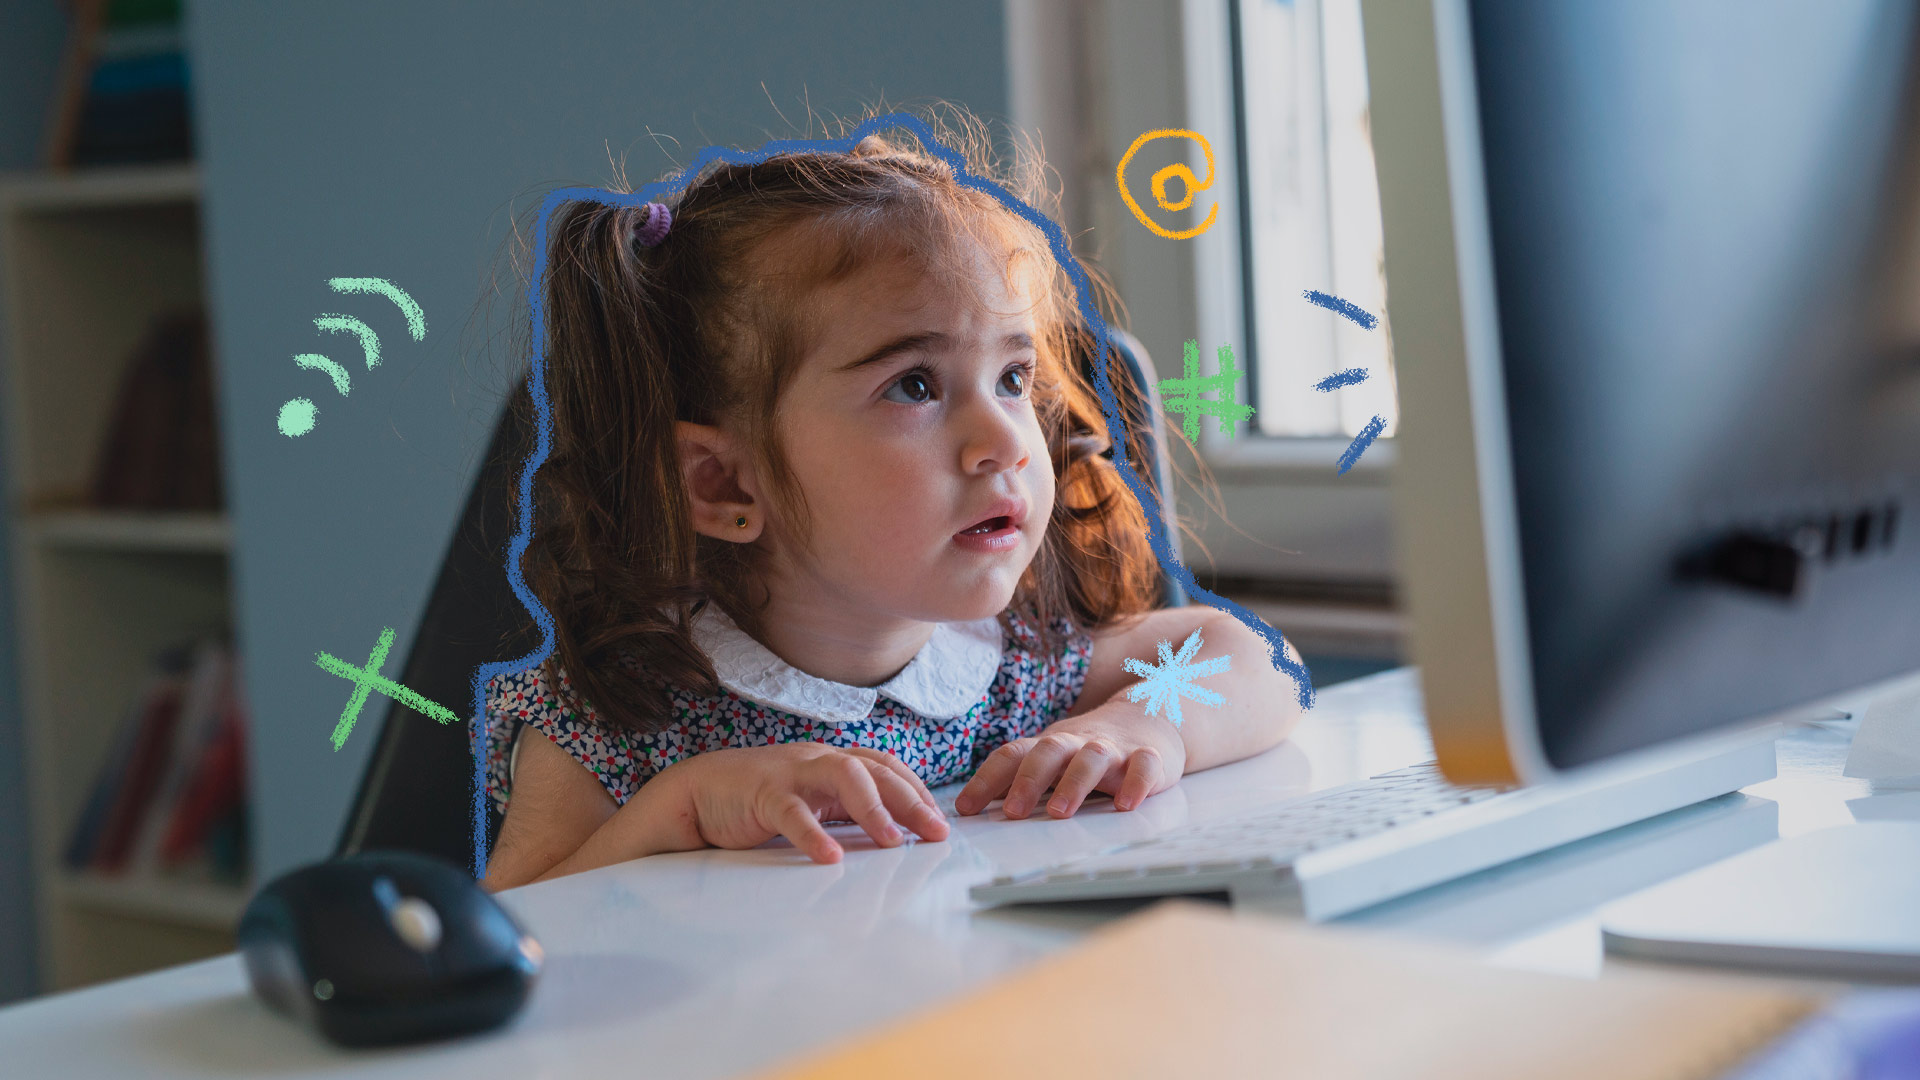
[696, 329]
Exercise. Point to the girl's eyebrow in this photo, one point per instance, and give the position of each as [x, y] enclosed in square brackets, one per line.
[904, 343]
[927, 339]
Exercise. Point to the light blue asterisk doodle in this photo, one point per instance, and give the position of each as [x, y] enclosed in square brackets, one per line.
[1174, 678]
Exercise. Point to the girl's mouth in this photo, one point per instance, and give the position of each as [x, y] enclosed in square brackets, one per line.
[995, 534]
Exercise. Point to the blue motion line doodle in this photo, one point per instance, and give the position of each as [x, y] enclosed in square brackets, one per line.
[1350, 376]
[1338, 306]
[1360, 443]
[1157, 533]
[1174, 678]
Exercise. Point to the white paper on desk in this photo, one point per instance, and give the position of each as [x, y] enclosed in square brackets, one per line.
[1887, 745]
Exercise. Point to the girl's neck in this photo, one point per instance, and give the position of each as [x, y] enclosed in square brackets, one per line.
[828, 640]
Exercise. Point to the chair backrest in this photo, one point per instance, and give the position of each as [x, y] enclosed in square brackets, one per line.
[417, 792]
[1138, 394]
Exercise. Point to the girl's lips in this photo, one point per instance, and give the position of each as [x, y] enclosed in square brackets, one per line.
[991, 536]
[988, 526]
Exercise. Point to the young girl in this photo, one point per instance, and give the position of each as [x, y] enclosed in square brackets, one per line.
[825, 523]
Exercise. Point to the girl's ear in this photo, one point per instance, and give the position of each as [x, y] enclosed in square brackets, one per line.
[720, 483]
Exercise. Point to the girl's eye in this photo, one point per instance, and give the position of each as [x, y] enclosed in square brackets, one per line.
[910, 389]
[1015, 381]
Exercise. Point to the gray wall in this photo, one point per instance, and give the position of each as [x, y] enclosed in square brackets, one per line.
[368, 137]
[30, 49]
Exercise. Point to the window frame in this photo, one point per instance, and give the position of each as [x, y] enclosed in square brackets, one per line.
[1222, 256]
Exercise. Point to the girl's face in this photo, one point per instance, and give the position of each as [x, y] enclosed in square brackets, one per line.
[910, 427]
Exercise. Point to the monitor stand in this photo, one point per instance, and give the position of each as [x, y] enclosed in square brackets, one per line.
[1838, 902]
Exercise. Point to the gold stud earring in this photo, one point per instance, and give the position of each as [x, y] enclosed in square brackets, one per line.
[740, 522]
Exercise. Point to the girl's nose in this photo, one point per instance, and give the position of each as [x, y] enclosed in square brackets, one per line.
[992, 440]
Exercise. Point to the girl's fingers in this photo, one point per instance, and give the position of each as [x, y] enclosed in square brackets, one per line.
[900, 767]
[991, 779]
[1141, 779]
[793, 819]
[850, 782]
[904, 802]
[1038, 769]
[1087, 769]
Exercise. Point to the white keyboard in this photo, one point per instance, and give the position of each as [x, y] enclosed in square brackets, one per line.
[1338, 850]
[1280, 834]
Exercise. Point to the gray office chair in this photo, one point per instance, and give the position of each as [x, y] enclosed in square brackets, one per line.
[417, 792]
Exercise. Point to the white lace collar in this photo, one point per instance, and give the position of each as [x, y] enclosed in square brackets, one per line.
[948, 676]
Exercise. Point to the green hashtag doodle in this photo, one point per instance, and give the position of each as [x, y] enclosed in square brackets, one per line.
[1184, 395]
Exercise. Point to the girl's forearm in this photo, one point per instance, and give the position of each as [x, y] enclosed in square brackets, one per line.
[655, 819]
[1262, 704]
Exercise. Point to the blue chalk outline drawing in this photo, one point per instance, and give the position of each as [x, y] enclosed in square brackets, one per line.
[1174, 678]
[543, 417]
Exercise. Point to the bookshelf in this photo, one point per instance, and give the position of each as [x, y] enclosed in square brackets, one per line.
[86, 259]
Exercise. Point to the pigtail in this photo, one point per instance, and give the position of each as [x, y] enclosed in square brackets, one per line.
[1095, 567]
[613, 556]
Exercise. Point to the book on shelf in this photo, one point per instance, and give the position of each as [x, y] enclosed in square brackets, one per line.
[103, 799]
[124, 86]
[135, 787]
[215, 795]
[201, 715]
[173, 787]
[162, 447]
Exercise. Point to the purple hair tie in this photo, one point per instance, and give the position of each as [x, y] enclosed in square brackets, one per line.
[654, 229]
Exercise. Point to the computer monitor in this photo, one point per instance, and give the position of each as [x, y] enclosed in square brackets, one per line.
[1656, 326]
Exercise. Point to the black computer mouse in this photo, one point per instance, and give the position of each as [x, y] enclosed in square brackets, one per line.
[386, 947]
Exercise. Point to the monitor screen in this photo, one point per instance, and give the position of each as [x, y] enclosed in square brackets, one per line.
[1703, 243]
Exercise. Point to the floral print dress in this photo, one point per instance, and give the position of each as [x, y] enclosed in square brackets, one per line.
[972, 688]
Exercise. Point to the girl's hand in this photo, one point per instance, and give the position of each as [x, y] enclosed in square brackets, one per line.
[1115, 748]
[744, 796]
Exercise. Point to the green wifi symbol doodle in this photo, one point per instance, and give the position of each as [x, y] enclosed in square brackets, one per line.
[297, 416]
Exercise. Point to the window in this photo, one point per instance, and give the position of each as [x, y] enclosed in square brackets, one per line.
[1091, 77]
[1286, 83]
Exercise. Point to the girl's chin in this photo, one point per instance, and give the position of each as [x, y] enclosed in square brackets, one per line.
[983, 600]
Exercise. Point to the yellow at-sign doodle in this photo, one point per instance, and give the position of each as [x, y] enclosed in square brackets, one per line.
[1159, 183]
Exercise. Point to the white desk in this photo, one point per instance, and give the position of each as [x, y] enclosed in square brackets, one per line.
[707, 964]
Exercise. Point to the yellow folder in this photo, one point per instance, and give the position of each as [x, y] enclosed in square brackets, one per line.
[1187, 990]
